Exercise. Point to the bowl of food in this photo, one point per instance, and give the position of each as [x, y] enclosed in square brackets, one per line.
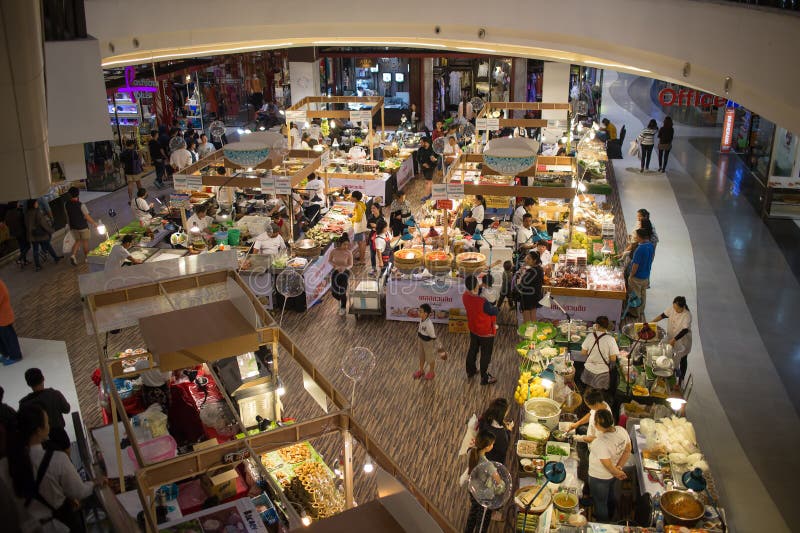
[681, 508]
[565, 501]
[510, 156]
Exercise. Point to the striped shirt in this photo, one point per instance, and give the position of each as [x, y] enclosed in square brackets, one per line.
[647, 137]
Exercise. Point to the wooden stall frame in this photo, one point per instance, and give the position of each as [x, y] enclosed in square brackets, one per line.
[520, 106]
[150, 477]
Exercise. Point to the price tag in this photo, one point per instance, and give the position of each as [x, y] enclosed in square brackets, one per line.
[439, 191]
[480, 124]
[455, 191]
[179, 183]
[194, 183]
[283, 185]
[298, 117]
[492, 124]
[268, 183]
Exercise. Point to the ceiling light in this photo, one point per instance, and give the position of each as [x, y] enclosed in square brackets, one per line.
[614, 65]
[473, 49]
[383, 43]
[196, 53]
[368, 466]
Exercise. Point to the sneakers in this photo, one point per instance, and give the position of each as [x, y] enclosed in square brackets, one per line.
[342, 311]
[417, 374]
[73, 260]
[430, 375]
[490, 380]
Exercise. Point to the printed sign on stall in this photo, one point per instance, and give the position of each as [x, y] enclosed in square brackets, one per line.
[268, 183]
[403, 298]
[283, 185]
[492, 124]
[439, 191]
[179, 183]
[297, 117]
[455, 191]
[194, 183]
[480, 124]
[582, 308]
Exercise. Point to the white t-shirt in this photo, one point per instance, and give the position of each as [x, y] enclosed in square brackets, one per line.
[519, 212]
[116, 257]
[426, 328]
[610, 446]
[524, 235]
[141, 209]
[269, 245]
[452, 150]
[201, 223]
[606, 345]
[205, 149]
[547, 258]
[490, 293]
[591, 431]
[478, 213]
[677, 321]
[316, 188]
[180, 158]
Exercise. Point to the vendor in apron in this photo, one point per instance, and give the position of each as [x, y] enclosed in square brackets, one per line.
[679, 333]
[477, 220]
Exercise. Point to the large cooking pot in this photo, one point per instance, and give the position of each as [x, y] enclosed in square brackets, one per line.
[681, 508]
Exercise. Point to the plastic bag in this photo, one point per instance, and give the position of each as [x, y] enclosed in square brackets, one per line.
[469, 435]
[634, 149]
[69, 242]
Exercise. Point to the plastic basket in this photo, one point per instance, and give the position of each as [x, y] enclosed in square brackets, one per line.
[156, 450]
[234, 234]
[221, 237]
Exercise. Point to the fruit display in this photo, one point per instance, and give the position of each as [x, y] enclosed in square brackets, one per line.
[529, 388]
[335, 222]
[539, 331]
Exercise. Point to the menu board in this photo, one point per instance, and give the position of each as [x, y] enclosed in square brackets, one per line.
[240, 515]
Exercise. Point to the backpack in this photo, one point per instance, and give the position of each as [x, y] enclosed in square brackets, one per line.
[386, 255]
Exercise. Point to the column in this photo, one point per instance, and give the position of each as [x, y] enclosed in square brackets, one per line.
[23, 150]
[303, 73]
[519, 91]
[555, 89]
[427, 92]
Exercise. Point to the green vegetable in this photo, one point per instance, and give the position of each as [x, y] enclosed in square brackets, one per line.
[556, 450]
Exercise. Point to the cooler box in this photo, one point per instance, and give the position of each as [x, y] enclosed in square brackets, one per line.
[366, 296]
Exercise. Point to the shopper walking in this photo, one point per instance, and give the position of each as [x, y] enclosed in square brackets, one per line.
[640, 270]
[481, 320]
[529, 286]
[427, 161]
[15, 220]
[10, 352]
[45, 484]
[679, 333]
[132, 164]
[426, 343]
[665, 135]
[608, 453]
[341, 259]
[484, 443]
[51, 400]
[40, 230]
[382, 247]
[646, 141]
[158, 158]
[78, 220]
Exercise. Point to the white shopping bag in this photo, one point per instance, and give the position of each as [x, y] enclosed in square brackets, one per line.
[469, 435]
[69, 242]
[634, 149]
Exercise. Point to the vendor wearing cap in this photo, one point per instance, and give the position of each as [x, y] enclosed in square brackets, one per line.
[199, 219]
[270, 242]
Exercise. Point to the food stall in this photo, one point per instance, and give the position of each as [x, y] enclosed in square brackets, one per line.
[147, 242]
[266, 473]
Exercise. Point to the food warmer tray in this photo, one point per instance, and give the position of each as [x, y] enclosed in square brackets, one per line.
[165, 254]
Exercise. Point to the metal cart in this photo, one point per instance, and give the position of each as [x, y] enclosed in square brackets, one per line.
[367, 295]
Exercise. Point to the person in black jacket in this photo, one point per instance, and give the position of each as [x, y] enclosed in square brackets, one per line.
[15, 220]
[40, 229]
[132, 163]
[531, 279]
[494, 420]
[427, 160]
[665, 135]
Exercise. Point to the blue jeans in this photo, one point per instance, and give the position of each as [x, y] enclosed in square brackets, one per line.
[45, 247]
[9, 343]
[602, 491]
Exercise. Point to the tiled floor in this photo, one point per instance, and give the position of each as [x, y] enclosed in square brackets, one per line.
[712, 247]
[49, 356]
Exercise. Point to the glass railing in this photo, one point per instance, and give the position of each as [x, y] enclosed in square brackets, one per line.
[786, 5]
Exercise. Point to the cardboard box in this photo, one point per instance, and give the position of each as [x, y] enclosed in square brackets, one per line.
[457, 321]
[221, 483]
[210, 443]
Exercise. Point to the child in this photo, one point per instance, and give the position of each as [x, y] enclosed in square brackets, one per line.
[487, 291]
[427, 342]
[505, 286]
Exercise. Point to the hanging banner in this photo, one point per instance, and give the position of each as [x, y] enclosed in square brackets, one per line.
[727, 130]
[403, 298]
[582, 308]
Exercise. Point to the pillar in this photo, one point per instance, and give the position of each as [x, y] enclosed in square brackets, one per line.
[520, 84]
[23, 138]
[303, 73]
[427, 92]
[555, 88]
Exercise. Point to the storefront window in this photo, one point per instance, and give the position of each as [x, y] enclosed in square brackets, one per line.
[500, 80]
[761, 136]
[585, 90]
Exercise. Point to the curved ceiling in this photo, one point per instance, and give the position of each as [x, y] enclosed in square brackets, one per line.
[753, 48]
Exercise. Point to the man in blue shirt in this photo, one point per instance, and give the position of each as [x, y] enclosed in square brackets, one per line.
[640, 270]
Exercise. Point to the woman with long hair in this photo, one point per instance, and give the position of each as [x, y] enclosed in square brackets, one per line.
[647, 138]
[341, 259]
[531, 279]
[665, 135]
[484, 442]
[47, 505]
[679, 333]
[40, 229]
[495, 420]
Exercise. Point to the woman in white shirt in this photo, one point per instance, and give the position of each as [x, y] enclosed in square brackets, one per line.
[474, 222]
[602, 351]
[679, 333]
[199, 219]
[608, 453]
[60, 480]
[451, 152]
[141, 207]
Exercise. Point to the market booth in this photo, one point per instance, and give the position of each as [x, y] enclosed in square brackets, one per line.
[242, 462]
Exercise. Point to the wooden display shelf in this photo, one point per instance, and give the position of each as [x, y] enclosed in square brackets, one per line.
[578, 292]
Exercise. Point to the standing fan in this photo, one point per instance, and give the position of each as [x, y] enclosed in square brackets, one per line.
[216, 129]
[439, 145]
[477, 104]
[466, 130]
